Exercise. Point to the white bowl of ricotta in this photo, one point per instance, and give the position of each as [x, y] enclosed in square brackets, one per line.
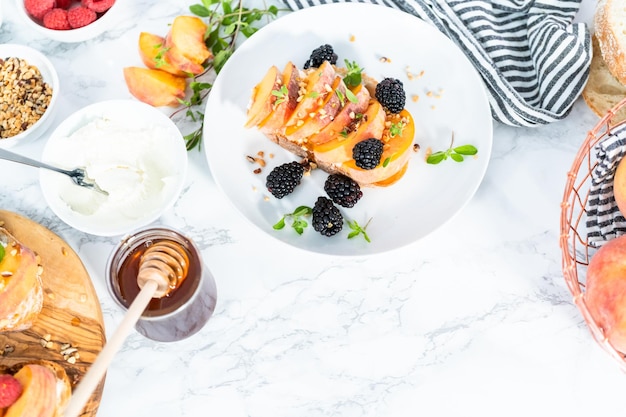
[132, 150]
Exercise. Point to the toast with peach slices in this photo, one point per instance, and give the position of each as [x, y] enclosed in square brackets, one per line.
[315, 115]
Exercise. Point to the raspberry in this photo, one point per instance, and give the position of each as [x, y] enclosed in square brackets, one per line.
[38, 8]
[98, 6]
[283, 179]
[327, 218]
[80, 16]
[64, 4]
[319, 55]
[390, 93]
[343, 190]
[10, 390]
[56, 19]
[367, 153]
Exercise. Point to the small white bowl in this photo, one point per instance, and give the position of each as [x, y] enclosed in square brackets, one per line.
[132, 150]
[50, 76]
[106, 21]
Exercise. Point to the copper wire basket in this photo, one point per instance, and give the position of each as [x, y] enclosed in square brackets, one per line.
[574, 242]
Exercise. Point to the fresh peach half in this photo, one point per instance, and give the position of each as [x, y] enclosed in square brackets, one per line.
[185, 45]
[155, 87]
[152, 52]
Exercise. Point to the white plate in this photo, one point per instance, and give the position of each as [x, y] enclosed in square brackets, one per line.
[427, 196]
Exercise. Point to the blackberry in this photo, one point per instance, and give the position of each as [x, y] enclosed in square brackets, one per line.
[390, 93]
[367, 153]
[342, 190]
[319, 55]
[283, 179]
[327, 218]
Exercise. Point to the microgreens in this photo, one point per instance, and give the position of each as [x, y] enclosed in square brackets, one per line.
[297, 221]
[281, 94]
[228, 22]
[396, 129]
[456, 153]
[353, 77]
[358, 230]
[159, 59]
[1, 253]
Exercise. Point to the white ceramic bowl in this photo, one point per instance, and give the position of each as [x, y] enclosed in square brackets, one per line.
[50, 76]
[106, 21]
[132, 150]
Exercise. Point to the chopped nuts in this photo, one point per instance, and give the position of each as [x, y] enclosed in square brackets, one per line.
[24, 96]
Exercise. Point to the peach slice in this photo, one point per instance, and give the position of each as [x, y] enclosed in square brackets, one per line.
[38, 397]
[321, 116]
[285, 107]
[263, 97]
[185, 46]
[339, 150]
[155, 87]
[395, 157]
[318, 84]
[152, 52]
[345, 117]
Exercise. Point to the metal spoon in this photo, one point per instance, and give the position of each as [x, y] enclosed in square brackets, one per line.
[78, 175]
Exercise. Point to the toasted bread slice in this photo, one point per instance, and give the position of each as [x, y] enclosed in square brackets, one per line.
[21, 290]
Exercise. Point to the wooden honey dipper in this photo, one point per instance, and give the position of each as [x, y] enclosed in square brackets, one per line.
[162, 268]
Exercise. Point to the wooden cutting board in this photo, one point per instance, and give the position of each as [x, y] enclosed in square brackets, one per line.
[71, 313]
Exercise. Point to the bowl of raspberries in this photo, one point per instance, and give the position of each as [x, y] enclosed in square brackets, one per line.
[68, 20]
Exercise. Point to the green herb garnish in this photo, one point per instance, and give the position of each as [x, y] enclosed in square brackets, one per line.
[353, 77]
[1, 253]
[396, 129]
[358, 230]
[297, 221]
[281, 95]
[456, 153]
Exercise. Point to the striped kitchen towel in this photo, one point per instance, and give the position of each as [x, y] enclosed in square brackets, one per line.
[604, 219]
[533, 58]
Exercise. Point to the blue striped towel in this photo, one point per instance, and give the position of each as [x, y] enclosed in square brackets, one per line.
[533, 58]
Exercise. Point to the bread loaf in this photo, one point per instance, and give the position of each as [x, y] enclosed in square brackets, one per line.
[603, 91]
[610, 30]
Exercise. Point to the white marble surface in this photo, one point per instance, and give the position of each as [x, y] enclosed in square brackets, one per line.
[475, 319]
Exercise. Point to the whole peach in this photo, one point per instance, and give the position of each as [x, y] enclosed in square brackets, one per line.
[605, 293]
[619, 186]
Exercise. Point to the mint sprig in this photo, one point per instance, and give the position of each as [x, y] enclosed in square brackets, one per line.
[298, 223]
[456, 153]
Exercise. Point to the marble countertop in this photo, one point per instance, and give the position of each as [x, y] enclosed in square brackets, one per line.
[475, 319]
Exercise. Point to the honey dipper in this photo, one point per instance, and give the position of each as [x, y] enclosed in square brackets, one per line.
[163, 266]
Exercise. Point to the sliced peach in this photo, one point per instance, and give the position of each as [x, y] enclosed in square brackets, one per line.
[263, 97]
[155, 87]
[318, 85]
[395, 157]
[285, 107]
[345, 117]
[38, 397]
[339, 150]
[321, 116]
[152, 52]
[185, 45]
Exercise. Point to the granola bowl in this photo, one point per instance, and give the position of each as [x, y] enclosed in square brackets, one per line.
[28, 77]
[105, 15]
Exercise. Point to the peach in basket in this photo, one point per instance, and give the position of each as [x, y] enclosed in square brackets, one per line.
[592, 272]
